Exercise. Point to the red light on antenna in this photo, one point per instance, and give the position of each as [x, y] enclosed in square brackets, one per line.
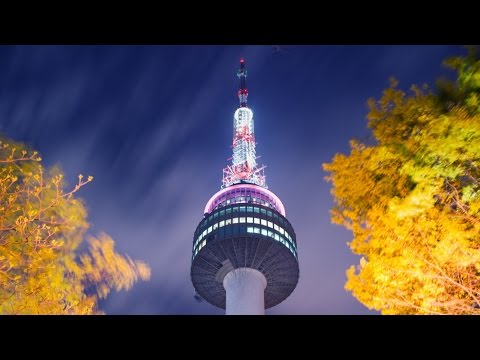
[241, 60]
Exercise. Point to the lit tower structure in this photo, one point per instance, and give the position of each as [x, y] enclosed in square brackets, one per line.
[244, 256]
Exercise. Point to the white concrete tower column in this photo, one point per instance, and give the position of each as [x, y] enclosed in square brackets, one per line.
[245, 292]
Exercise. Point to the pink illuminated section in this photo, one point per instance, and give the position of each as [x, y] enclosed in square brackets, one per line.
[244, 194]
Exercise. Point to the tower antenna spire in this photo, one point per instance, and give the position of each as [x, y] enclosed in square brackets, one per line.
[244, 160]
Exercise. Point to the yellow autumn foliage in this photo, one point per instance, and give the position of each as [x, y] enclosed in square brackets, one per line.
[412, 199]
[42, 226]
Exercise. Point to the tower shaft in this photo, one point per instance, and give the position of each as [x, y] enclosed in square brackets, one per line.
[245, 292]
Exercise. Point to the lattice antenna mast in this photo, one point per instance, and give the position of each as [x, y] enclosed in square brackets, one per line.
[244, 161]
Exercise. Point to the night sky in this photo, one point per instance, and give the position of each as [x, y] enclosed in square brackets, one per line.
[153, 125]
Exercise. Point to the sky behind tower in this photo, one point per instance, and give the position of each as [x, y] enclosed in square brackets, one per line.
[153, 125]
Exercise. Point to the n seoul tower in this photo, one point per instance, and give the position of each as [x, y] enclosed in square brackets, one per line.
[244, 256]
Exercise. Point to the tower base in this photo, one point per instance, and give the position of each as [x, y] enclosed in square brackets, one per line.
[245, 292]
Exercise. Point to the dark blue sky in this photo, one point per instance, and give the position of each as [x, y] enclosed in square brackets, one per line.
[153, 125]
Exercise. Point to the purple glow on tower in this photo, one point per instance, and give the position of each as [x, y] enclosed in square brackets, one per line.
[244, 193]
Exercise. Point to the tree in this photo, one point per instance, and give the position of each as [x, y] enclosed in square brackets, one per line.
[412, 198]
[42, 226]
